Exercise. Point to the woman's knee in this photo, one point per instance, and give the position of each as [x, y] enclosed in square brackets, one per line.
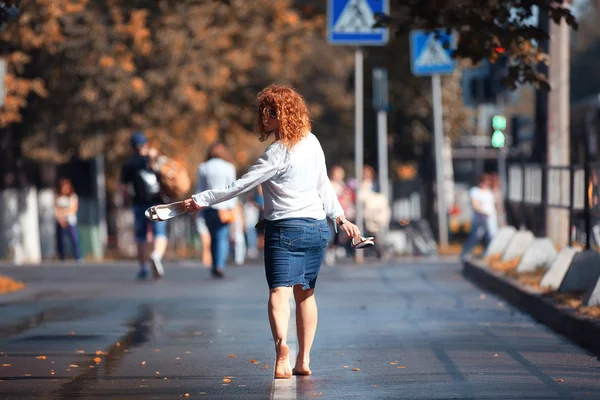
[301, 294]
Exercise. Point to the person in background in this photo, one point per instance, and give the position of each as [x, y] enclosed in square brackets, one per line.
[140, 184]
[216, 172]
[346, 198]
[482, 202]
[369, 182]
[66, 205]
[298, 199]
[376, 207]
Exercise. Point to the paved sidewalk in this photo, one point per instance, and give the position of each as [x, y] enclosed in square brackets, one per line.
[398, 331]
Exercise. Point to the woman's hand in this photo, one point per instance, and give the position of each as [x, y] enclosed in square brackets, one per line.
[348, 228]
[191, 206]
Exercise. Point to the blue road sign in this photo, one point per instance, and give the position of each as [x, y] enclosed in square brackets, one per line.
[430, 55]
[350, 22]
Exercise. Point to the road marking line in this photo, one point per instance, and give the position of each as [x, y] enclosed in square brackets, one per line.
[286, 388]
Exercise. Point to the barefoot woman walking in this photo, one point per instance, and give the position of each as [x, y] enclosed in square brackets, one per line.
[298, 198]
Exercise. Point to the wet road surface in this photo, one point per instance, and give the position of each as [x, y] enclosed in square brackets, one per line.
[400, 331]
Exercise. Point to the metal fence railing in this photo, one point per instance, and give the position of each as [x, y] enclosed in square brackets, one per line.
[533, 189]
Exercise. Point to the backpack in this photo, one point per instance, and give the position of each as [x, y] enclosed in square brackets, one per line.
[174, 179]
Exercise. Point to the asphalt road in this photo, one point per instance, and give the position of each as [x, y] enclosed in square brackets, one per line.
[412, 330]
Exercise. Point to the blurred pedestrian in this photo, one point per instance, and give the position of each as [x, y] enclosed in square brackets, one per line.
[482, 203]
[345, 196]
[376, 207]
[66, 205]
[140, 185]
[298, 198]
[216, 172]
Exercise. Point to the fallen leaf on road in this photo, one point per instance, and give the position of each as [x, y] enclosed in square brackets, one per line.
[165, 378]
[226, 380]
[157, 373]
[266, 366]
[559, 380]
[345, 366]
[186, 395]
[97, 360]
[401, 366]
[188, 352]
[496, 355]
[231, 356]
[27, 374]
[118, 344]
[157, 350]
[41, 357]
[178, 358]
[394, 363]
[143, 363]
[99, 352]
[52, 372]
[318, 394]
[375, 386]
[80, 351]
[355, 369]
[73, 366]
[201, 392]
[6, 365]
[253, 361]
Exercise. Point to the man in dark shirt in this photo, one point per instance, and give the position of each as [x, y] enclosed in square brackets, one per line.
[140, 184]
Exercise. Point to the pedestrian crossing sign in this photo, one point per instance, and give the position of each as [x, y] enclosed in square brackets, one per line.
[350, 22]
[431, 54]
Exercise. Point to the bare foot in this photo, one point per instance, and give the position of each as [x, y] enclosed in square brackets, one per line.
[283, 369]
[302, 369]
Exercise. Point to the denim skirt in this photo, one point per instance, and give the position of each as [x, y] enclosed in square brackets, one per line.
[294, 251]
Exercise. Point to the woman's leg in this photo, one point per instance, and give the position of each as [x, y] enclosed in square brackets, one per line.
[306, 326]
[279, 317]
[74, 238]
[60, 245]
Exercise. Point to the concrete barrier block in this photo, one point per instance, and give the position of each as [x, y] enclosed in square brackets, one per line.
[592, 297]
[583, 272]
[541, 253]
[500, 241]
[555, 275]
[517, 246]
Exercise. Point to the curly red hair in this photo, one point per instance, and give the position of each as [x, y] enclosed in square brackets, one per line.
[292, 113]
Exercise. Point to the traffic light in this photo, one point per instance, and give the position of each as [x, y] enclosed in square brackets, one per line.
[498, 126]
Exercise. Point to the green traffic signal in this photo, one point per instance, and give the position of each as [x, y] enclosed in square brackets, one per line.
[499, 122]
[498, 139]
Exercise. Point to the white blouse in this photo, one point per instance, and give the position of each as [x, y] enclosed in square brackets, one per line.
[295, 183]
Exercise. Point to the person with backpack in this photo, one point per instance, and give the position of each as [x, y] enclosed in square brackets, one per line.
[140, 184]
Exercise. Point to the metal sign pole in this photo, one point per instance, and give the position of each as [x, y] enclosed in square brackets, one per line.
[436, 84]
[358, 139]
[382, 149]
